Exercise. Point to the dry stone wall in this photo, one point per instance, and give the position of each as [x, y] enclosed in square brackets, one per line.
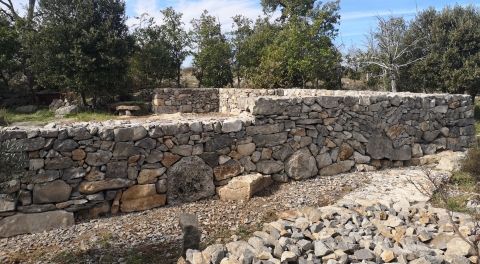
[92, 169]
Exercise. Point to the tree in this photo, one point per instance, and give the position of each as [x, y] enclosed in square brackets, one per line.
[25, 30]
[388, 49]
[302, 52]
[452, 55]
[242, 30]
[177, 38]
[288, 7]
[82, 46]
[212, 57]
[9, 53]
[152, 60]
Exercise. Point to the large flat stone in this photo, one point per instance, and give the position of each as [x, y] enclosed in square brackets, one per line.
[34, 223]
[109, 184]
[244, 187]
[143, 203]
[51, 192]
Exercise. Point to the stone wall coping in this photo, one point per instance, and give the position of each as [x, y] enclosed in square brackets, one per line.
[298, 92]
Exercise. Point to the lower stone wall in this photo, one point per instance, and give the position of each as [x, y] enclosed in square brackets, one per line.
[106, 168]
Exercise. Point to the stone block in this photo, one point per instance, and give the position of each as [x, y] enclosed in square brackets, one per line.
[244, 187]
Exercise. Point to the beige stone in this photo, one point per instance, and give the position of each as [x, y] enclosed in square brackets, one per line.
[144, 203]
[139, 191]
[150, 175]
[244, 187]
[98, 186]
[78, 154]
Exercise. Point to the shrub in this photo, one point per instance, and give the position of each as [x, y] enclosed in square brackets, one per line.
[3, 117]
[471, 164]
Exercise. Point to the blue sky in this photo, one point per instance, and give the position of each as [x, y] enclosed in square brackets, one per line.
[358, 16]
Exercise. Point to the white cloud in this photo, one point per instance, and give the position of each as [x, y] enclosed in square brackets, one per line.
[224, 10]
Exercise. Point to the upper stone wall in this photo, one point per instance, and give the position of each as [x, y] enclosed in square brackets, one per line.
[172, 100]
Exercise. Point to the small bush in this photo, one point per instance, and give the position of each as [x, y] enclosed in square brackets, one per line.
[3, 117]
[471, 164]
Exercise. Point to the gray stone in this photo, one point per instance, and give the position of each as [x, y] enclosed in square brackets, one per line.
[270, 140]
[269, 166]
[231, 126]
[7, 203]
[117, 169]
[337, 168]
[364, 254]
[361, 159]
[265, 129]
[187, 185]
[34, 223]
[183, 150]
[125, 150]
[380, 147]
[58, 163]
[321, 249]
[73, 173]
[51, 192]
[283, 152]
[66, 145]
[30, 144]
[301, 165]
[130, 133]
[218, 142]
[79, 133]
[323, 160]
[67, 110]
[99, 158]
[146, 143]
[403, 153]
[161, 186]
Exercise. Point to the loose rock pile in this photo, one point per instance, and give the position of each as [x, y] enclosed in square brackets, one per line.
[352, 234]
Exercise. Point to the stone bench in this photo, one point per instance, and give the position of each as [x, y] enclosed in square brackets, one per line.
[127, 110]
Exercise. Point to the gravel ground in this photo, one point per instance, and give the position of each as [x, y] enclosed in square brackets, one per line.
[154, 236]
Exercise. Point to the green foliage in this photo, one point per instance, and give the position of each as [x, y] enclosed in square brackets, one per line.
[9, 52]
[451, 38]
[288, 7]
[471, 164]
[82, 46]
[177, 38]
[151, 62]
[212, 58]
[160, 50]
[301, 52]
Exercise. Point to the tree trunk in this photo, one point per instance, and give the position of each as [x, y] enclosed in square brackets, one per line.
[238, 81]
[179, 73]
[84, 99]
[393, 83]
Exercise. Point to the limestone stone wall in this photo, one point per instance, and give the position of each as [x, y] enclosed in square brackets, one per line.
[172, 100]
[106, 168]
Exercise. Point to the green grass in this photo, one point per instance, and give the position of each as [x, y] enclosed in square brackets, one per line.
[46, 116]
[91, 116]
[42, 115]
